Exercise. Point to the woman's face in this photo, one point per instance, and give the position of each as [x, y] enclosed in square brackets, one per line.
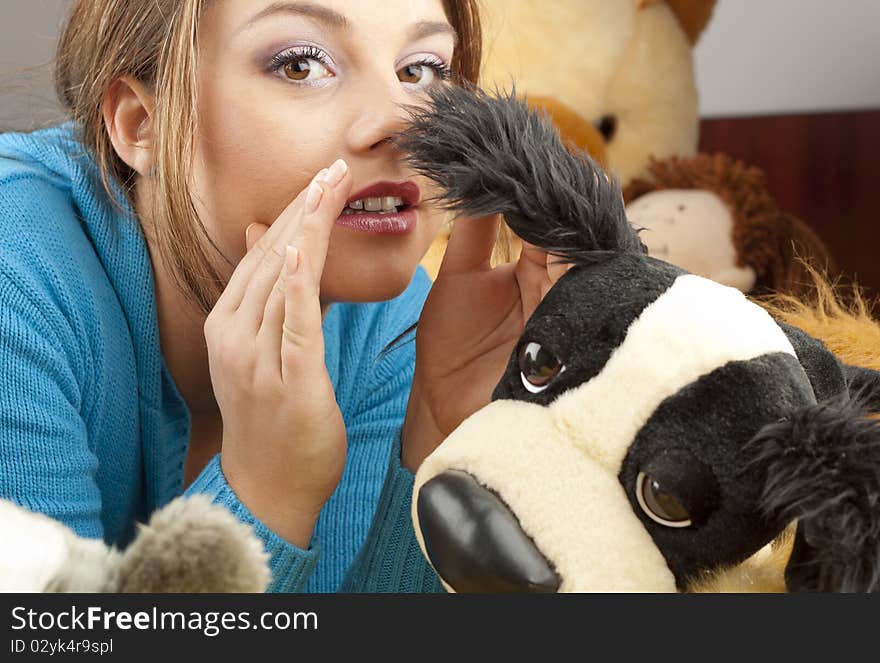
[287, 88]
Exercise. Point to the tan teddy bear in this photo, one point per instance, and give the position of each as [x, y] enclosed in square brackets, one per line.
[616, 76]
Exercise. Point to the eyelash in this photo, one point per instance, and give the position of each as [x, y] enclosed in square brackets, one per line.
[281, 60]
[443, 70]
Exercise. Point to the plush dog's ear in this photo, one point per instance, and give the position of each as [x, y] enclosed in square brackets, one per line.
[830, 377]
[491, 154]
[822, 468]
[863, 384]
[824, 370]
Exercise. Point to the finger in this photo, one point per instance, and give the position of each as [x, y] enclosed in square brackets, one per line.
[556, 269]
[312, 236]
[310, 232]
[470, 244]
[300, 336]
[269, 336]
[534, 255]
[253, 233]
[232, 295]
[554, 265]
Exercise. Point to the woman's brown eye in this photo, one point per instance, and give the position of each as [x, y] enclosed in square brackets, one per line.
[538, 367]
[304, 68]
[660, 506]
[412, 73]
[298, 70]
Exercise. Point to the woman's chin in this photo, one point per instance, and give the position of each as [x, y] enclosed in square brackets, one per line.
[357, 286]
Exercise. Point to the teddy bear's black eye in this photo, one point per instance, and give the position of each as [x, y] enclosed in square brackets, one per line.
[607, 126]
[660, 506]
[538, 367]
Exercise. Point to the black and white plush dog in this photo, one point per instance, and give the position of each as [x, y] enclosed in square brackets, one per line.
[652, 426]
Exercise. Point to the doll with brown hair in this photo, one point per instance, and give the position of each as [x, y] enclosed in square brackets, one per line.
[714, 216]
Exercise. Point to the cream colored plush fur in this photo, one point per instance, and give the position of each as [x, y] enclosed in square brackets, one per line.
[512, 447]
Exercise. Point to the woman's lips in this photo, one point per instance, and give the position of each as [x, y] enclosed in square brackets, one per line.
[394, 223]
[391, 223]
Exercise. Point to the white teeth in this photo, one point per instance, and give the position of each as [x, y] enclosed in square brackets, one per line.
[384, 204]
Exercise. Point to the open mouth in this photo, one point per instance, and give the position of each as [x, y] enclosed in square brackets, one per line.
[375, 204]
[382, 208]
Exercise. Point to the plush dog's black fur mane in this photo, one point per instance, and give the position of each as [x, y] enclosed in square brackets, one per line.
[492, 154]
[822, 468]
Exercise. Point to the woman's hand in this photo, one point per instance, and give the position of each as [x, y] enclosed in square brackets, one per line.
[284, 443]
[469, 325]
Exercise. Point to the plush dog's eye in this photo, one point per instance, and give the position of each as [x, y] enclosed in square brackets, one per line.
[660, 505]
[537, 367]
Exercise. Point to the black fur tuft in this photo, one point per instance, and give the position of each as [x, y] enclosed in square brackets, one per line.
[822, 469]
[493, 154]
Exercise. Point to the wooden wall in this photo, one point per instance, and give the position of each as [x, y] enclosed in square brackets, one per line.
[823, 168]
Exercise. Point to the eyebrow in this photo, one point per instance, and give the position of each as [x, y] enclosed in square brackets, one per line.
[322, 14]
[424, 29]
[420, 30]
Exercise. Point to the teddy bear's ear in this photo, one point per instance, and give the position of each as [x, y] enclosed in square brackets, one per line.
[192, 545]
[821, 467]
[693, 15]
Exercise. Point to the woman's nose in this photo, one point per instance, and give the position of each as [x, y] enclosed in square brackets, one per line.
[380, 113]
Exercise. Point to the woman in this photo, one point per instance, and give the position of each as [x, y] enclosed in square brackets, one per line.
[201, 274]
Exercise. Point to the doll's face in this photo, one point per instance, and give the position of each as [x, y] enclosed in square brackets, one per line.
[692, 229]
[285, 90]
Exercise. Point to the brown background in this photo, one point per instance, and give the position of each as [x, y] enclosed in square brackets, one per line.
[825, 169]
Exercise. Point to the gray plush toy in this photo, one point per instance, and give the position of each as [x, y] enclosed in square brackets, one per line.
[190, 545]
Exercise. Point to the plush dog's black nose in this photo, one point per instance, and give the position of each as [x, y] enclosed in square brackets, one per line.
[475, 542]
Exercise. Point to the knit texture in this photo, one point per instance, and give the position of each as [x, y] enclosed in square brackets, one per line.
[93, 430]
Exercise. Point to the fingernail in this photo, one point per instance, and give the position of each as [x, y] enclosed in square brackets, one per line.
[247, 234]
[291, 261]
[336, 172]
[313, 196]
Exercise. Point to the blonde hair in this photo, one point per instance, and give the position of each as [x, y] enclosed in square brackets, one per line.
[156, 42]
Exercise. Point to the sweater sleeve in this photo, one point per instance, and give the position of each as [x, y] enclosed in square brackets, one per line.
[289, 565]
[46, 462]
[390, 560]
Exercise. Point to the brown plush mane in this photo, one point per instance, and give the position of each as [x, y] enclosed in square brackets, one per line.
[775, 244]
[839, 317]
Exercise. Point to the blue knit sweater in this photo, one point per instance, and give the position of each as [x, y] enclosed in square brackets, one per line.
[94, 432]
